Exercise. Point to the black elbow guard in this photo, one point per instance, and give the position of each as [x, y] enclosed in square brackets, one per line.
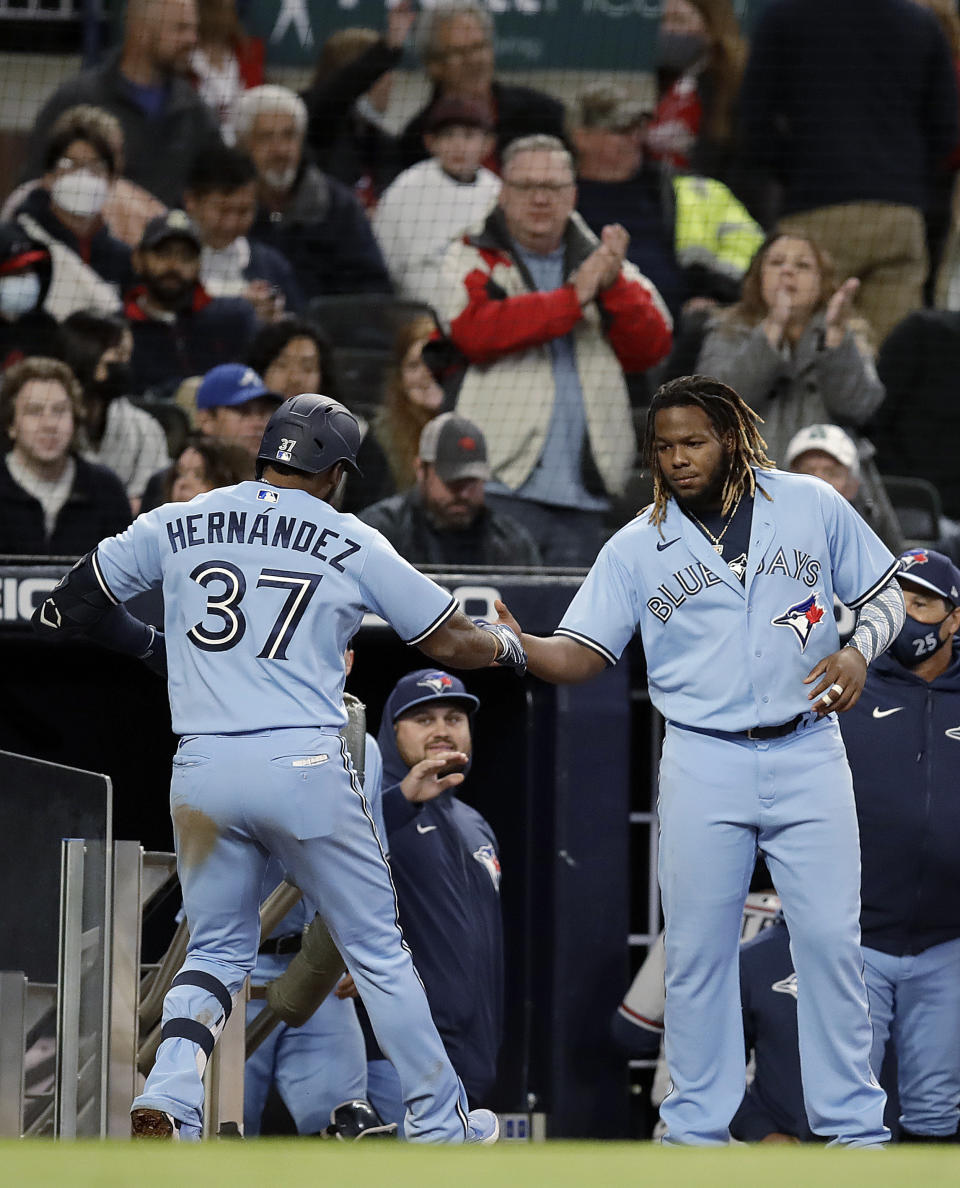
[76, 604]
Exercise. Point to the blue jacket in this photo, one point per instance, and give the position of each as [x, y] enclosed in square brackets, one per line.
[446, 871]
[903, 743]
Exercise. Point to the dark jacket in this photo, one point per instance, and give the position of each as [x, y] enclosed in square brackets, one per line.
[326, 236]
[212, 330]
[903, 743]
[345, 145]
[266, 263]
[36, 333]
[773, 1103]
[96, 507]
[917, 428]
[493, 539]
[520, 111]
[850, 101]
[108, 257]
[158, 153]
[443, 857]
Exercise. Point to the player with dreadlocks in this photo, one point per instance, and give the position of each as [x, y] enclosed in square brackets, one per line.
[732, 596]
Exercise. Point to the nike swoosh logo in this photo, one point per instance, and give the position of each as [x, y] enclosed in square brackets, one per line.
[665, 544]
[425, 828]
[879, 713]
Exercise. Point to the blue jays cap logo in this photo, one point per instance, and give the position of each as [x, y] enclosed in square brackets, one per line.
[801, 618]
[440, 683]
[487, 857]
[914, 557]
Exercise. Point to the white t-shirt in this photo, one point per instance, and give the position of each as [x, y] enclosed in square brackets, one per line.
[420, 213]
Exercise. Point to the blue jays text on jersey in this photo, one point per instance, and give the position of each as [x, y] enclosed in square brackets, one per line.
[722, 654]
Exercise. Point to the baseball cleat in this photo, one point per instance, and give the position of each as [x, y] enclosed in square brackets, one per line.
[153, 1124]
[483, 1127]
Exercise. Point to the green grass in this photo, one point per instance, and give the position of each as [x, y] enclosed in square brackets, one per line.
[314, 1164]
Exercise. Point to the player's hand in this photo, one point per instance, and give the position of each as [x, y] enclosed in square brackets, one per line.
[423, 781]
[840, 679]
[346, 988]
[506, 618]
[510, 653]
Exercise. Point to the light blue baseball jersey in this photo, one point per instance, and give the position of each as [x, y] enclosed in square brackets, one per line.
[263, 587]
[722, 655]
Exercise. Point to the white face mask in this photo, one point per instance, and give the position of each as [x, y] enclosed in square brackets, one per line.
[80, 192]
[19, 294]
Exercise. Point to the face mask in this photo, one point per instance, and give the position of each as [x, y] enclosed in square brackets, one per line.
[80, 192]
[917, 641]
[119, 382]
[679, 51]
[19, 294]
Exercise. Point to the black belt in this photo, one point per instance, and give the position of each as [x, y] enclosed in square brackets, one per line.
[755, 733]
[280, 946]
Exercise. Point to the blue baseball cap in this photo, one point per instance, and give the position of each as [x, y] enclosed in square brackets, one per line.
[931, 570]
[230, 384]
[429, 685]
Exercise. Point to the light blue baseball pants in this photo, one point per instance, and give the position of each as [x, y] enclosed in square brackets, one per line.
[720, 799]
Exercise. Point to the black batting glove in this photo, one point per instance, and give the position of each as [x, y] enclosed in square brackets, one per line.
[510, 653]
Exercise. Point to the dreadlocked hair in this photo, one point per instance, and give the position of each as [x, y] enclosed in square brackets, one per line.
[733, 420]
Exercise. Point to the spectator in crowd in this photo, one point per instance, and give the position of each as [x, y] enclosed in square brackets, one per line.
[699, 56]
[446, 872]
[549, 319]
[66, 284]
[203, 465]
[25, 275]
[225, 61]
[319, 1065]
[411, 398]
[456, 46]
[233, 406]
[917, 428]
[293, 356]
[791, 345]
[432, 202]
[166, 126]
[120, 436]
[689, 235]
[859, 184]
[128, 207]
[54, 501]
[347, 103]
[79, 167]
[178, 328]
[443, 520]
[901, 738]
[309, 217]
[830, 453]
[221, 198]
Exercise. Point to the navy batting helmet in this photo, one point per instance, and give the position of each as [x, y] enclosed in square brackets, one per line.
[311, 433]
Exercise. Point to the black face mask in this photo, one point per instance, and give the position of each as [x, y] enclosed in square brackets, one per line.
[917, 641]
[118, 382]
[679, 51]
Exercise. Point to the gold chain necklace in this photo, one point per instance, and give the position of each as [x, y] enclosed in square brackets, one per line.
[717, 541]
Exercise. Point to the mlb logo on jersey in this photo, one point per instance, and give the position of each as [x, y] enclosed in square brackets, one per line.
[487, 857]
[268, 496]
[801, 618]
[440, 683]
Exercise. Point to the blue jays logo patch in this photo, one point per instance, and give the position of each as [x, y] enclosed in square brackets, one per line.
[440, 683]
[915, 557]
[487, 857]
[801, 618]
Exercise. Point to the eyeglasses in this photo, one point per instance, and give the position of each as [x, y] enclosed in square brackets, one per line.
[462, 51]
[68, 165]
[532, 187]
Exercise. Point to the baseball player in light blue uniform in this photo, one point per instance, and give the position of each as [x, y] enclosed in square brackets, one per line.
[264, 584]
[729, 577]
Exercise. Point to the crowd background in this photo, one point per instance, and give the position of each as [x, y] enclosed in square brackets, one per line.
[493, 269]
